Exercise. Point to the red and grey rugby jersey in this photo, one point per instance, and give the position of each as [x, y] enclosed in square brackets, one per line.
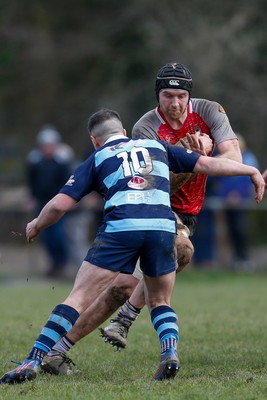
[212, 120]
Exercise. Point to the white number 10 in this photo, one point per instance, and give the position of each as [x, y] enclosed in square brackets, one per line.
[131, 160]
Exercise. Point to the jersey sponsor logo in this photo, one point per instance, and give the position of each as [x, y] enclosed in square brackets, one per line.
[138, 182]
[70, 181]
[221, 109]
[174, 82]
[139, 197]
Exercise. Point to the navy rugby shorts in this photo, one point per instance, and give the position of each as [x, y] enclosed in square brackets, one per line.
[120, 251]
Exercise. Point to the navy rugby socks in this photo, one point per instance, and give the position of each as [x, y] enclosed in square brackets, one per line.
[164, 320]
[60, 322]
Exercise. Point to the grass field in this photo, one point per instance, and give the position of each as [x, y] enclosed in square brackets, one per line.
[223, 344]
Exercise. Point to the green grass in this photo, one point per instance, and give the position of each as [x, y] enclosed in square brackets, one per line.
[223, 336]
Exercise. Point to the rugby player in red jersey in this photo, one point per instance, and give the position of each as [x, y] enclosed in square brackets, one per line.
[197, 124]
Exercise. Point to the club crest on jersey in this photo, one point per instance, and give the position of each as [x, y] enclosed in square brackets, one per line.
[70, 181]
[221, 109]
[138, 182]
[117, 147]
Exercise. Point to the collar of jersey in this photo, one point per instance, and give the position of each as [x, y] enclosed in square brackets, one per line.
[115, 137]
[162, 118]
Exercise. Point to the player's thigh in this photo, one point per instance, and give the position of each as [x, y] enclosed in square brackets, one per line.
[90, 281]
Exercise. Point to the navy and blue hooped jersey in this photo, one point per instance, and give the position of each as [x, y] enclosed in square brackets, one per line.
[133, 177]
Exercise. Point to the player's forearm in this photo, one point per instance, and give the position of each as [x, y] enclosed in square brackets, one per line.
[54, 210]
[48, 216]
[223, 167]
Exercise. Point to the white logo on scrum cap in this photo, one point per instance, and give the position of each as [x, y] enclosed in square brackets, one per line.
[174, 82]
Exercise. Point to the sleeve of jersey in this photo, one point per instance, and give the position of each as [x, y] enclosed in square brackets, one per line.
[143, 132]
[82, 182]
[180, 159]
[218, 122]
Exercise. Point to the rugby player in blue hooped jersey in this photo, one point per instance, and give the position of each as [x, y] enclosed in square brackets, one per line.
[133, 177]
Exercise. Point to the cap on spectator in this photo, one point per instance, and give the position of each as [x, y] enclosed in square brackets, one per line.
[48, 135]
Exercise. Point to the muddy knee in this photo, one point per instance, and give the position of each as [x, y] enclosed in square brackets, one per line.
[116, 296]
[185, 251]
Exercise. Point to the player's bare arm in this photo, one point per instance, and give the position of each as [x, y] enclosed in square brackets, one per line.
[49, 215]
[230, 149]
[226, 167]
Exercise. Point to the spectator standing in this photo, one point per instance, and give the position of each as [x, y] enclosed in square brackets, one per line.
[236, 194]
[48, 169]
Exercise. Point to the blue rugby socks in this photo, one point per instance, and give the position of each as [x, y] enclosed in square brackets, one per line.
[60, 322]
[164, 320]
